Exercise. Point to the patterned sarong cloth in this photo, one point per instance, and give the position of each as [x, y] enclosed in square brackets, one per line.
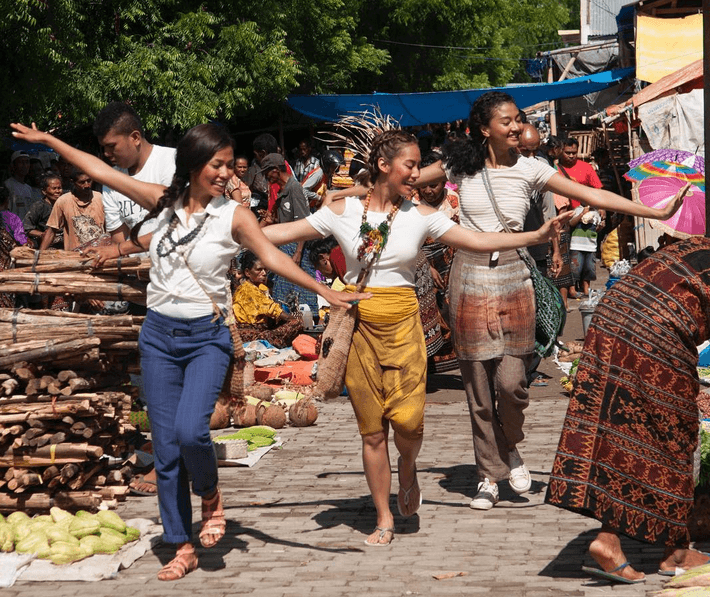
[564, 278]
[440, 257]
[428, 309]
[282, 288]
[625, 456]
[281, 336]
[386, 370]
[492, 306]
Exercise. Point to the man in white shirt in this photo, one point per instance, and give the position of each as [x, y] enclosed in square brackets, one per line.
[21, 195]
[120, 133]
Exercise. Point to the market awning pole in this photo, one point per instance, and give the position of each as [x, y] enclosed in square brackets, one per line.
[706, 95]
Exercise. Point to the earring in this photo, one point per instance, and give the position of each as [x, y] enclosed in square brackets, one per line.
[485, 140]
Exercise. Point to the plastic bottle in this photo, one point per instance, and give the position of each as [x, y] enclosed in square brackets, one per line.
[307, 316]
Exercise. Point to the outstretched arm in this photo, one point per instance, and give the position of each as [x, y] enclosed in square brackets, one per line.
[602, 199]
[488, 242]
[246, 231]
[431, 174]
[144, 194]
[290, 232]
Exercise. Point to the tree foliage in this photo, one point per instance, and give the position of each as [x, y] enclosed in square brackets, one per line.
[181, 62]
[481, 42]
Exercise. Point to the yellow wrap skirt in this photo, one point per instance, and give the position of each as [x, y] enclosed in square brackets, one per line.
[386, 369]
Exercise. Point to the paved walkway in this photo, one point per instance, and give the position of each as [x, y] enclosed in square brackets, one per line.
[298, 520]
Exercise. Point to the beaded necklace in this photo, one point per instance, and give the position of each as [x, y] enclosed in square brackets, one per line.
[181, 244]
[375, 239]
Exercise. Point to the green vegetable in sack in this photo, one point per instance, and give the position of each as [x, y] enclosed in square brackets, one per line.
[107, 533]
[91, 544]
[82, 526]
[7, 537]
[261, 430]
[36, 544]
[111, 520]
[21, 529]
[59, 515]
[132, 533]
[17, 517]
[110, 543]
[58, 534]
[75, 552]
[259, 441]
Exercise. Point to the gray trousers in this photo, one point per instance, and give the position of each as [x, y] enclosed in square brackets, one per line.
[497, 395]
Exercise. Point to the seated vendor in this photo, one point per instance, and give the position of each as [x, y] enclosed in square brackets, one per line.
[258, 316]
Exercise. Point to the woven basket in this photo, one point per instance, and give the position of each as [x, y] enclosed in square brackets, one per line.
[230, 449]
[335, 347]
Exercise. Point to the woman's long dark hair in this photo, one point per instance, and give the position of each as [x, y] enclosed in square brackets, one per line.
[195, 149]
[469, 155]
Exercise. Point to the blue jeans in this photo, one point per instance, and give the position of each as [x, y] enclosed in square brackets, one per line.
[583, 265]
[184, 363]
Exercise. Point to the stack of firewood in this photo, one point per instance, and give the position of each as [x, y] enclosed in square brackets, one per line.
[53, 272]
[65, 402]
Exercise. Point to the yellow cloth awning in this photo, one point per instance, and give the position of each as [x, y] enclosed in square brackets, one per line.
[665, 45]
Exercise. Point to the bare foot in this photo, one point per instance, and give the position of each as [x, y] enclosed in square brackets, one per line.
[683, 558]
[606, 551]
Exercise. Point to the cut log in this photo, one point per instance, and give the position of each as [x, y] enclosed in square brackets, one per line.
[86, 500]
[44, 350]
[66, 375]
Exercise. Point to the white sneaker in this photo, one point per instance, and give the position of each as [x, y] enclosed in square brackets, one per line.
[487, 496]
[519, 476]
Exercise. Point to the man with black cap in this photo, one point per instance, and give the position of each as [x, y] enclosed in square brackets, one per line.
[291, 205]
[291, 202]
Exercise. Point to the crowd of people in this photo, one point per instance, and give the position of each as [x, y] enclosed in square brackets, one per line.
[195, 209]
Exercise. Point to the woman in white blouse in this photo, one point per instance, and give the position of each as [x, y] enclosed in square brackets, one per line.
[185, 346]
[492, 303]
[386, 368]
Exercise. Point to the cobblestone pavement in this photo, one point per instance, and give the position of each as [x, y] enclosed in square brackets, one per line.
[298, 520]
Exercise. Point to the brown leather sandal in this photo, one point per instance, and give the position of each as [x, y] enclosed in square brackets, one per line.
[185, 561]
[214, 524]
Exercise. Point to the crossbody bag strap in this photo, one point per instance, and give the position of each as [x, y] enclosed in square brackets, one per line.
[215, 307]
[562, 169]
[524, 255]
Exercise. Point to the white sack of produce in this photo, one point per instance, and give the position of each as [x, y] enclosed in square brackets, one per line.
[13, 566]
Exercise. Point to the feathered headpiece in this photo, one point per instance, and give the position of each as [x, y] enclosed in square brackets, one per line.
[355, 132]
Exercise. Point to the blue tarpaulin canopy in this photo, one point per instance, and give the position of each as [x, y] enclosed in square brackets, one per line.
[446, 106]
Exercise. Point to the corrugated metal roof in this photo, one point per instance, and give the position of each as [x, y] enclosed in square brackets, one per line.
[602, 16]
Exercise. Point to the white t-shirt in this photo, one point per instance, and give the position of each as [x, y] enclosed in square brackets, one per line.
[397, 264]
[172, 290]
[21, 197]
[511, 187]
[119, 209]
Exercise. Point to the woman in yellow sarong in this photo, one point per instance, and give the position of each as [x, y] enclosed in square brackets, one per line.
[386, 368]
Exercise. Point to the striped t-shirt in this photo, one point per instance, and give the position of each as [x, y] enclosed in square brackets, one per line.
[512, 188]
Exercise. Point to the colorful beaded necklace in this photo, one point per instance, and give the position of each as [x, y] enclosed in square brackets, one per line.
[375, 239]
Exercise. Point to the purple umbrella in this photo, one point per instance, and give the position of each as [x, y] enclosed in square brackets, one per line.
[670, 155]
